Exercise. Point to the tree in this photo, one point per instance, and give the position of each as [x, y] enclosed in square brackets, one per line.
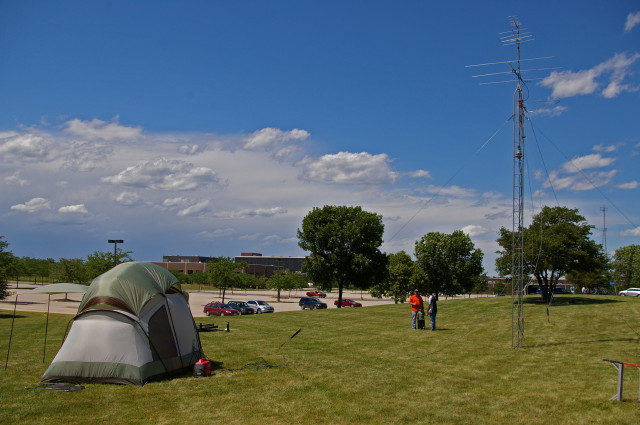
[451, 262]
[71, 270]
[402, 277]
[6, 260]
[344, 245]
[284, 279]
[38, 268]
[626, 266]
[555, 244]
[101, 261]
[222, 273]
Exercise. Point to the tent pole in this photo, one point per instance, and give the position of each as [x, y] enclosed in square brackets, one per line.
[6, 362]
[46, 331]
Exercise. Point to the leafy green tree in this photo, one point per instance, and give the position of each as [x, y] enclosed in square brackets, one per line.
[481, 286]
[626, 266]
[401, 278]
[555, 244]
[285, 280]
[451, 262]
[38, 268]
[596, 279]
[223, 273]
[6, 260]
[246, 281]
[101, 261]
[344, 247]
[71, 270]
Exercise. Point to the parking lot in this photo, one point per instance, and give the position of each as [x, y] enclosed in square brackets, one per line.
[27, 301]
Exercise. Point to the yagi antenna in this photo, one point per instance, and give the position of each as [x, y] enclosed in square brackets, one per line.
[515, 37]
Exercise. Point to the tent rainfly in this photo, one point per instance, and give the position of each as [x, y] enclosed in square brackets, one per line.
[133, 325]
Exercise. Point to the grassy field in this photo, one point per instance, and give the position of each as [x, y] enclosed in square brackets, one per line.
[362, 366]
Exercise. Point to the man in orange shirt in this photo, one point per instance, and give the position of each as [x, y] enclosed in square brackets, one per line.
[416, 302]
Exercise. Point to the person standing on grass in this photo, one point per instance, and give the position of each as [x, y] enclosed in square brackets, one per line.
[417, 304]
[433, 309]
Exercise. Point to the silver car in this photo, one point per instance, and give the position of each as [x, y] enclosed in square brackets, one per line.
[260, 306]
[631, 292]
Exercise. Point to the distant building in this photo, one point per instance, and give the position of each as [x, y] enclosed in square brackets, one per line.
[260, 265]
[185, 264]
[257, 264]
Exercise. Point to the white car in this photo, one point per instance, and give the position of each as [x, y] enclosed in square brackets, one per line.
[260, 306]
[631, 292]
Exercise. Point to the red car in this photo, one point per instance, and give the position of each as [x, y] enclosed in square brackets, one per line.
[220, 309]
[348, 302]
[316, 294]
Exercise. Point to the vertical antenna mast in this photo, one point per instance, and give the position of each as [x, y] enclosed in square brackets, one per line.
[519, 278]
[517, 249]
[604, 228]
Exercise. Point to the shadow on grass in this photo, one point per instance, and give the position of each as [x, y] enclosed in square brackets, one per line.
[565, 301]
[595, 341]
[9, 316]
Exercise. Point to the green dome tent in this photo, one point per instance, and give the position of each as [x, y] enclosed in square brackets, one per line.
[133, 325]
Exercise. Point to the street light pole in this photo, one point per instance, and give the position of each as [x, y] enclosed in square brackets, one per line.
[115, 243]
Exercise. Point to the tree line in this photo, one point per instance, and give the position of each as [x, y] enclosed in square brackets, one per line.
[344, 252]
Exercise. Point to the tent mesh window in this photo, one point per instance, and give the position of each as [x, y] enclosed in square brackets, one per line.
[159, 330]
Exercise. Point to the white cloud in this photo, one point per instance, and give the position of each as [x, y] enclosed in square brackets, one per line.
[556, 111]
[349, 168]
[457, 191]
[612, 73]
[15, 180]
[195, 209]
[166, 174]
[33, 206]
[630, 185]
[102, 130]
[129, 199]
[85, 156]
[579, 163]
[73, 209]
[631, 232]
[474, 230]
[24, 147]
[607, 148]
[189, 149]
[267, 138]
[215, 234]
[418, 174]
[258, 212]
[579, 182]
[633, 19]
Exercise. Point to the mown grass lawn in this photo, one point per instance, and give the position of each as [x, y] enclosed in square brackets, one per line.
[362, 366]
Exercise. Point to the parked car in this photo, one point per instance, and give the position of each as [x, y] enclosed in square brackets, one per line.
[260, 306]
[348, 302]
[631, 292]
[241, 306]
[316, 294]
[311, 303]
[220, 309]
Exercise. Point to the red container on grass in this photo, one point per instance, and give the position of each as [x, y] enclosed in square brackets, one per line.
[202, 368]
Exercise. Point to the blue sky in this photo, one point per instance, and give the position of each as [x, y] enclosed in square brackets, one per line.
[213, 127]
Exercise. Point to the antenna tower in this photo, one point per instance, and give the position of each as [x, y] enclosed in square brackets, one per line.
[515, 37]
[604, 228]
[517, 248]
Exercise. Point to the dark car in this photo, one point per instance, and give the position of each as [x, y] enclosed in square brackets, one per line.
[241, 306]
[348, 302]
[316, 294]
[220, 309]
[311, 303]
